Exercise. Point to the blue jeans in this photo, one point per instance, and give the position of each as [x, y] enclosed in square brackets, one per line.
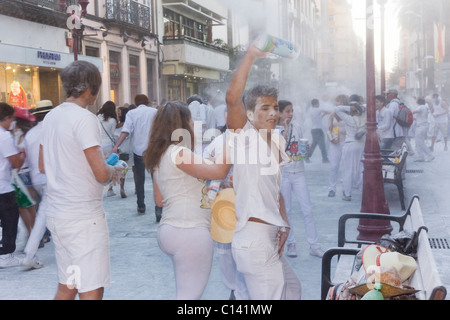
[318, 139]
[9, 216]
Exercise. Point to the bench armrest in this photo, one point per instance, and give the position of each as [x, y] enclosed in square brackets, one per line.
[326, 267]
[342, 239]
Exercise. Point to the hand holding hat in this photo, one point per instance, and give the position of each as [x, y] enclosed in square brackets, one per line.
[223, 219]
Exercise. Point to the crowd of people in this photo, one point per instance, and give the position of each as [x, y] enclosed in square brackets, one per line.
[53, 175]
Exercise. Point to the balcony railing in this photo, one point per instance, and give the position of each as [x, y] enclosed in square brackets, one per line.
[129, 12]
[168, 40]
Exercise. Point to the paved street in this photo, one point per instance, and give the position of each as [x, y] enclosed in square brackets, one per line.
[140, 271]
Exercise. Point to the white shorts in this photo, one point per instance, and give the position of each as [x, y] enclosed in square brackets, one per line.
[82, 252]
[442, 128]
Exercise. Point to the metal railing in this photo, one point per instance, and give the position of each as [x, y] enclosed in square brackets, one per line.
[129, 12]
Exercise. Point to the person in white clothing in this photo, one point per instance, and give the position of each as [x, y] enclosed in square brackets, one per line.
[10, 158]
[72, 159]
[386, 122]
[400, 133]
[179, 180]
[262, 224]
[138, 123]
[294, 182]
[421, 120]
[32, 143]
[336, 134]
[440, 115]
[318, 136]
[204, 121]
[231, 277]
[353, 150]
[108, 120]
[126, 152]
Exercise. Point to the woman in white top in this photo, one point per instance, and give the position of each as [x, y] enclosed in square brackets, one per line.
[421, 120]
[179, 181]
[353, 150]
[108, 119]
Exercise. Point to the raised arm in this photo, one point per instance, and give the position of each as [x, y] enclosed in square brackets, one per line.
[236, 114]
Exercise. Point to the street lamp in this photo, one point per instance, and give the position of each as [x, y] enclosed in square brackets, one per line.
[383, 52]
[373, 197]
[74, 20]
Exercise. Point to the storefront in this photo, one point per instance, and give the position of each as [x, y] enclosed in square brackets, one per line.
[28, 75]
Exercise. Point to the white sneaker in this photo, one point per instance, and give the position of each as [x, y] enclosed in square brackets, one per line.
[34, 263]
[8, 260]
[292, 251]
[318, 252]
[110, 193]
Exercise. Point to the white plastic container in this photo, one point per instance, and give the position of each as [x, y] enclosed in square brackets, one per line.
[277, 46]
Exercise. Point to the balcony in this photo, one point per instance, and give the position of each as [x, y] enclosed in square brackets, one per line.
[129, 14]
[190, 51]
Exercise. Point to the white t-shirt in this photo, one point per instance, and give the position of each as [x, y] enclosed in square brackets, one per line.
[183, 194]
[32, 142]
[292, 149]
[385, 127]
[316, 118]
[7, 149]
[72, 190]
[257, 176]
[138, 123]
[398, 130]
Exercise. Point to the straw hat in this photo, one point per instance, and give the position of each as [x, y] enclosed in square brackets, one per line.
[223, 220]
[43, 106]
[370, 253]
[375, 255]
[390, 280]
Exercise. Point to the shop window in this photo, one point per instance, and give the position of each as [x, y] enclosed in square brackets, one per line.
[115, 74]
[16, 85]
[150, 78]
[134, 76]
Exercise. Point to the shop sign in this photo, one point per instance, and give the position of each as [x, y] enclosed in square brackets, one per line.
[49, 58]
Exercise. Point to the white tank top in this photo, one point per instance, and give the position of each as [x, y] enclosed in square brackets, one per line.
[183, 194]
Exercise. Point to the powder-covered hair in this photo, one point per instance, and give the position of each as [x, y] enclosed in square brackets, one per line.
[256, 92]
[80, 76]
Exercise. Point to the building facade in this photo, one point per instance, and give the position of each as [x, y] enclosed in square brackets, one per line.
[37, 42]
[193, 60]
[341, 51]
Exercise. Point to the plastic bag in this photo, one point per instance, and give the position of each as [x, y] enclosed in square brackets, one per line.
[23, 197]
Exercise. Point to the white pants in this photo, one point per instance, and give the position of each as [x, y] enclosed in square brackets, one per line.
[191, 251]
[39, 226]
[352, 153]
[335, 156]
[267, 274]
[233, 279]
[296, 183]
[423, 152]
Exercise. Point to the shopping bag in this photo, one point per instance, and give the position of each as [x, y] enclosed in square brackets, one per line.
[23, 197]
